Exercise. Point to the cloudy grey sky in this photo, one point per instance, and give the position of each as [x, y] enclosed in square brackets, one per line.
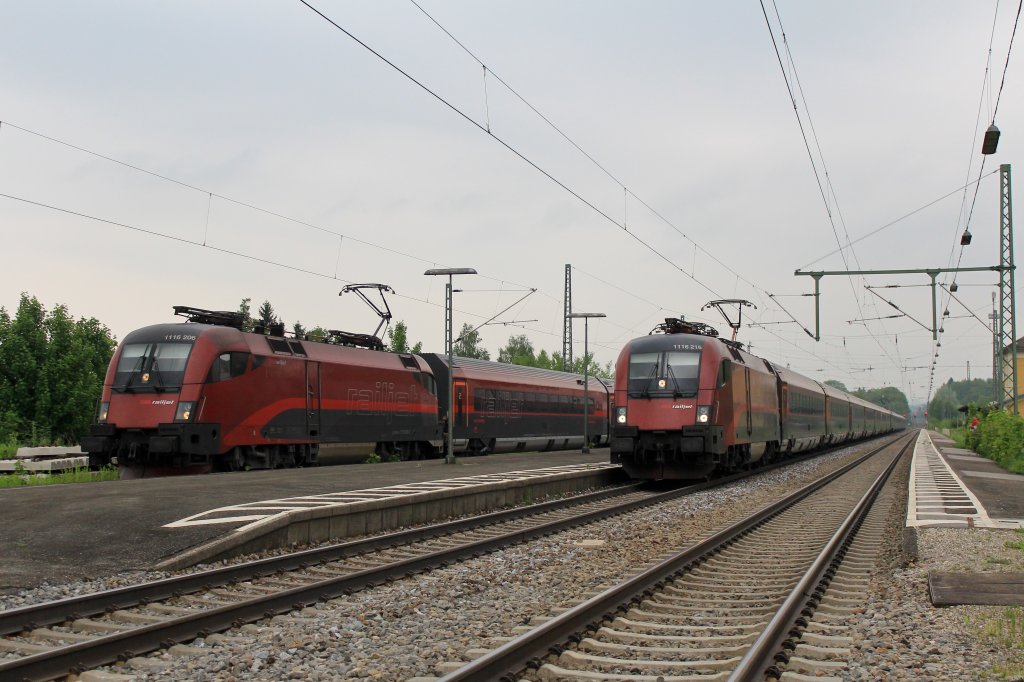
[277, 133]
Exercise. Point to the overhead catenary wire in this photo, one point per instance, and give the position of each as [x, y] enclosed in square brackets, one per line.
[821, 158]
[603, 214]
[509, 147]
[627, 193]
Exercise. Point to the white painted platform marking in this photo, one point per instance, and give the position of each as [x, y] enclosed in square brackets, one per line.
[262, 512]
[935, 489]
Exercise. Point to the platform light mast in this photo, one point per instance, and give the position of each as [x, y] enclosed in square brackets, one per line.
[567, 322]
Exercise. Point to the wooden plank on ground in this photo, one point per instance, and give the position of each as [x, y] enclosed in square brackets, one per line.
[995, 589]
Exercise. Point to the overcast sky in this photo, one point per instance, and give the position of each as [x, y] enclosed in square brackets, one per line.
[277, 132]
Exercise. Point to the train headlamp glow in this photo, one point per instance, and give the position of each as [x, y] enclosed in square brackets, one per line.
[104, 412]
[620, 415]
[662, 383]
[703, 414]
[184, 411]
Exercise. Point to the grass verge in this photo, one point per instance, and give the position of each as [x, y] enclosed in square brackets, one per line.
[21, 479]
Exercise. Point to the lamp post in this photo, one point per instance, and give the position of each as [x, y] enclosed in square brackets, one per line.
[586, 375]
[448, 336]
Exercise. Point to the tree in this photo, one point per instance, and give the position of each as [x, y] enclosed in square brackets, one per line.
[298, 330]
[888, 397]
[22, 361]
[519, 351]
[51, 373]
[245, 309]
[266, 316]
[944, 405]
[467, 345]
[318, 333]
[398, 338]
[590, 366]
[835, 383]
[544, 361]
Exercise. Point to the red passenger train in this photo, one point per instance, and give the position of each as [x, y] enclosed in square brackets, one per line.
[206, 396]
[688, 404]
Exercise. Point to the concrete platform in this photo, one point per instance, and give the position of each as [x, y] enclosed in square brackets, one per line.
[952, 487]
[63, 532]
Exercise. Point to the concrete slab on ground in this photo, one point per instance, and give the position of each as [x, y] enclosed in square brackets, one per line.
[993, 589]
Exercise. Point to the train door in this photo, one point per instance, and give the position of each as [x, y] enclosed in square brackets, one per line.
[313, 399]
[461, 403]
[750, 417]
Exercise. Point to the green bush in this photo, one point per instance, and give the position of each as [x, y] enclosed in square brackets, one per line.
[1001, 438]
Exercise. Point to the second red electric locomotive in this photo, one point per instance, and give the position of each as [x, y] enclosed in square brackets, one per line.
[688, 404]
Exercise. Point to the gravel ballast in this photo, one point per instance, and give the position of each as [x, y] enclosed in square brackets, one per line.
[408, 628]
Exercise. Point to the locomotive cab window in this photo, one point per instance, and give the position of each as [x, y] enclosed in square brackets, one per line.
[682, 371]
[670, 374]
[724, 373]
[228, 366]
[151, 366]
[642, 368]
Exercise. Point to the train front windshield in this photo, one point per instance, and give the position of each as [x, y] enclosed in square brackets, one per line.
[151, 366]
[668, 374]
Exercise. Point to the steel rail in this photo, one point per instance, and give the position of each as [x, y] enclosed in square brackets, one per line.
[768, 647]
[531, 647]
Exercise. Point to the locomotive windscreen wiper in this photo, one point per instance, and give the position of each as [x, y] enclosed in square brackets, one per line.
[135, 368]
[676, 393]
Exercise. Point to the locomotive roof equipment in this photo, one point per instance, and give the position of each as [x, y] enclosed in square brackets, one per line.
[739, 303]
[371, 341]
[222, 318]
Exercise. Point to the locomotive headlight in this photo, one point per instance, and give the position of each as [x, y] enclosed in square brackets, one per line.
[101, 417]
[184, 411]
[620, 415]
[703, 413]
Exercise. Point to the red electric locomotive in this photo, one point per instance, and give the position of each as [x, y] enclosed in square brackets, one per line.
[207, 396]
[688, 404]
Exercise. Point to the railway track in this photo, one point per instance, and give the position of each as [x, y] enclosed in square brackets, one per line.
[765, 598]
[50, 640]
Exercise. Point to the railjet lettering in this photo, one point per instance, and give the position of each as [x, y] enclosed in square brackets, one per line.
[382, 401]
[163, 402]
[682, 407]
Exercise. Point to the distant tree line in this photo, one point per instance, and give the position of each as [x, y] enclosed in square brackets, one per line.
[51, 373]
[952, 395]
[888, 397]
